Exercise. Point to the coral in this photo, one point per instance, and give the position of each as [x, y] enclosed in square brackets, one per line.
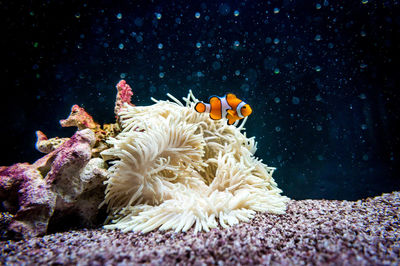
[45, 145]
[24, 192]
[176, 168]
[79, 118]
[123, 96]
[58, 182]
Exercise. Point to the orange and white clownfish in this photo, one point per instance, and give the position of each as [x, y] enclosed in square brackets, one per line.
[228, 106]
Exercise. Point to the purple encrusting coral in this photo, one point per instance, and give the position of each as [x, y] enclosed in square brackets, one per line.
[364, 232]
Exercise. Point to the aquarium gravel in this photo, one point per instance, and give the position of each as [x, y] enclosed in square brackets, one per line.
[364, 232]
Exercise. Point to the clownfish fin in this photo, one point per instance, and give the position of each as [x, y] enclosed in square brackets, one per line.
[231, 112]
[200, 107]
[230, 96]
[231, 121]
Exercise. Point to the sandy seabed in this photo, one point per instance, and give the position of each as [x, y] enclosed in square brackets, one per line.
[364, 232]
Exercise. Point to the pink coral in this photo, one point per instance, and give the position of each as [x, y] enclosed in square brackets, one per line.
[79, 118]
[123, 96]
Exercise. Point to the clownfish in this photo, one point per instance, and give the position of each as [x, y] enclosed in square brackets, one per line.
[228, 106]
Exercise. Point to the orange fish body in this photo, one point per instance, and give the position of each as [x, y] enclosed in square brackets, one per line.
[229, 107]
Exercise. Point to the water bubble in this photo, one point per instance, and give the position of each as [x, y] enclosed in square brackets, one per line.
[276, 41]
[78, 15]
[364, 1]
[200, 74]
[160, 46]
[365, 157]
[105, 45]
[276, 10]
[237, 72]
[152, 89]
[276, 71]
[139, 38]
[330, 45]
[224, 77]
[363, 126]
[317, 68]
[363, 65]
[318, 98]
[121, 46]
[363, 33]
[139, 22]
[216, 65]
[119, 16]
[224, 9]
[320, 157]
[197, 15]
[122, 75]
[158, 15]
[268, 40]
[295, 100]
[245, 87]
[318, 128]
[218, 56]
[362, 96]
[277, 100]
[198, 45]
[318, 6]
[236, 43]
[277, 129]
[317, 37]
[236, 13]
[161, 75]
[178, 20]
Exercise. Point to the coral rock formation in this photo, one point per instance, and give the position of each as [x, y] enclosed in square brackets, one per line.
[123, 96]
[56, 182]
[45, 145]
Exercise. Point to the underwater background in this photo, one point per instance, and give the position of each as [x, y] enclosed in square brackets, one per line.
[321, 76]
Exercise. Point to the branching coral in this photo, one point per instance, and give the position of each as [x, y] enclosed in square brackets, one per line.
[175, 168]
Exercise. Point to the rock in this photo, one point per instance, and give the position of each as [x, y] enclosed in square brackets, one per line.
[64, 181]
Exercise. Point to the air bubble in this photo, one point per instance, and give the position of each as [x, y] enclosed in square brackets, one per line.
[276, 10]
[198, 45]
[236, 13]
[121, 46]
[158, 15]
[277, 100]
[295, 100]
[160, 46]
[197, 15]
[119, 16]
[236, 43]
[276, 70]
[237, 72]
[161, 75]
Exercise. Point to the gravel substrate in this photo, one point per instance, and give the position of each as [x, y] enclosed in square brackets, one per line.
[364, 232]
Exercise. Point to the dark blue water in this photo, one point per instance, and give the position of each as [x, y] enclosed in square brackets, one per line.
[321, 76]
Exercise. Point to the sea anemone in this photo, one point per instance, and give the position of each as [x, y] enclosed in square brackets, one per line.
[174, 168]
